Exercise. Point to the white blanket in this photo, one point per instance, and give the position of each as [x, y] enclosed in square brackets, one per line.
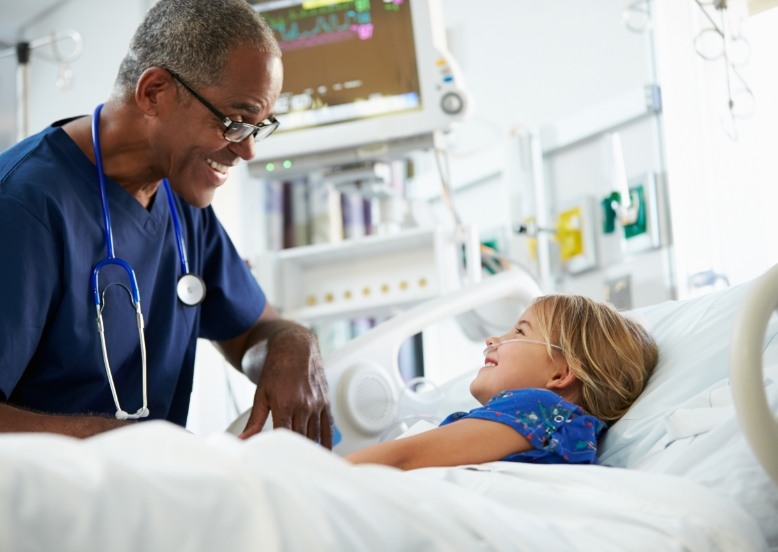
[154, 487]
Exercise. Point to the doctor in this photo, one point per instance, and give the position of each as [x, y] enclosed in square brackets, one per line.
[113, 263]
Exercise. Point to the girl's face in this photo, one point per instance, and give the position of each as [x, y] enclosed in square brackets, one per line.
[518, 359]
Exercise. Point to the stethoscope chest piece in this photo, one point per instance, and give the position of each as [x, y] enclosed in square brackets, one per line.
[191, 289]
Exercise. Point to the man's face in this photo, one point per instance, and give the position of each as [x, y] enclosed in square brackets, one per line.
[199, 156]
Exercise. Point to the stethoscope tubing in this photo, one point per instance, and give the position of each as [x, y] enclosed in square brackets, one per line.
[177, 228]
[107, 228]
[101, 177]
[133, 290]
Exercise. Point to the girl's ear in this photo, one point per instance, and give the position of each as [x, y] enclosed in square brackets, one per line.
[563, 378]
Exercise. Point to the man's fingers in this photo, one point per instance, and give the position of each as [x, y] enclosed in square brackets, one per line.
[326, 430]
[282, 420]
[300, 424]
[313, 430]
[256, 420]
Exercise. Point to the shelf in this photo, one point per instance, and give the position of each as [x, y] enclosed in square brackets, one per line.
[368, 276]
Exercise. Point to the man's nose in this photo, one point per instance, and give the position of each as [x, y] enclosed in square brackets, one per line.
[244, 149]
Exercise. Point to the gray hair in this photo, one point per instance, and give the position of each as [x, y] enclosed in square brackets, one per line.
[194, 39]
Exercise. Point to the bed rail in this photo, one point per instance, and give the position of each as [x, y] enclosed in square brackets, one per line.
[747, 381]
[364, 376]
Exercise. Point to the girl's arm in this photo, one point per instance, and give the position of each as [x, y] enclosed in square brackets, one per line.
[467, 441]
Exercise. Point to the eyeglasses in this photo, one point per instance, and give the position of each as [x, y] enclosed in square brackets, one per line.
[235, 131]
[494, 346]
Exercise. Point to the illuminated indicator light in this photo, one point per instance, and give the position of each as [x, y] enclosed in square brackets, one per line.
[347, 294]
[287, 164]
[448, 78]
[270, 167]
[403, 285]
[310, 300]
[366, 291]
[422, 282]
[440, 61]
[329, 298]
[385, 288]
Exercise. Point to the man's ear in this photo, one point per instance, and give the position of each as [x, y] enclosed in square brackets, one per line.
[562, 378]
[155, 85]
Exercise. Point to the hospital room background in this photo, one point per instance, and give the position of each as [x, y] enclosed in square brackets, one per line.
[620, 149]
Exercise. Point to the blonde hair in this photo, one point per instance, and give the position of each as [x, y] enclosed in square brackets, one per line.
[611, 355]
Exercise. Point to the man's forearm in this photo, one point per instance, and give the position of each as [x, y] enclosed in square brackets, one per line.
[13, 419]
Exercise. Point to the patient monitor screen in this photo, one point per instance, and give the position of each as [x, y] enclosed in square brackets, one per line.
[343, 60]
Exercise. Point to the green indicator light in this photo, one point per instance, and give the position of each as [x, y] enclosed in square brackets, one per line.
[287, 164]
[270, 167]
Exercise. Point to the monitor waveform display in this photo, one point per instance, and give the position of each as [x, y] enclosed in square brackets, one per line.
[344, 60]
[311, 28]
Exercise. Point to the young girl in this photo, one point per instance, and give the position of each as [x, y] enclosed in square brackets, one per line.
[549, 387]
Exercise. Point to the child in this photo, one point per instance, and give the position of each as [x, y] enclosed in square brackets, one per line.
[549, 388]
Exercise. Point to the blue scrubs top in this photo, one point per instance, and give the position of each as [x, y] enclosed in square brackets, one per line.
[51, 236]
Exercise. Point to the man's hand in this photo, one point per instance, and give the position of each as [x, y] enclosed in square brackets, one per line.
[292, 386]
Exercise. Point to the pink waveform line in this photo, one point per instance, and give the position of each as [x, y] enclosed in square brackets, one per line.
[364, 31]
[318, 40]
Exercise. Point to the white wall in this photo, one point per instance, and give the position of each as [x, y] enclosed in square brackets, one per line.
[528, 63]
[722, 192]
[106, 27]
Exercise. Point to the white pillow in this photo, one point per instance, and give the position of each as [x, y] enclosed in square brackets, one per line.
[694, 338]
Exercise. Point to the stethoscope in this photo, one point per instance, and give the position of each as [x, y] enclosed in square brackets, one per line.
[190, 288]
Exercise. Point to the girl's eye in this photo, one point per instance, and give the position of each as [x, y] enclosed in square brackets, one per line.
[520, 331]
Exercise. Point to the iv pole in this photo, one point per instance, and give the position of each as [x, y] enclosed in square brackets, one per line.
[23, 51]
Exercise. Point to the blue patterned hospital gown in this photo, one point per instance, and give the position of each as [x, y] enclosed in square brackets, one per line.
[559, 431]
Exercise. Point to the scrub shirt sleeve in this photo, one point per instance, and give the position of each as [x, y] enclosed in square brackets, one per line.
[30, 283]
[233, 300]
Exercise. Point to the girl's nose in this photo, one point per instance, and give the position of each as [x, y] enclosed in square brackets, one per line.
[491, 344]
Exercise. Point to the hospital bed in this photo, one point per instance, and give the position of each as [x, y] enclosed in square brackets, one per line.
[676, 473]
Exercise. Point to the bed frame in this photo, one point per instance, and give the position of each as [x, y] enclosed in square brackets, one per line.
[757, 421]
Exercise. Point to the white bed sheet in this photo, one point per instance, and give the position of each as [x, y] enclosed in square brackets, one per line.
[704, 443]
[156, 487]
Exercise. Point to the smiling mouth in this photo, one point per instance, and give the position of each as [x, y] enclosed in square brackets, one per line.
[218, 167]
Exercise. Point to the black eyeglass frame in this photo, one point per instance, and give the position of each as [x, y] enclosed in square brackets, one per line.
[240, 130]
